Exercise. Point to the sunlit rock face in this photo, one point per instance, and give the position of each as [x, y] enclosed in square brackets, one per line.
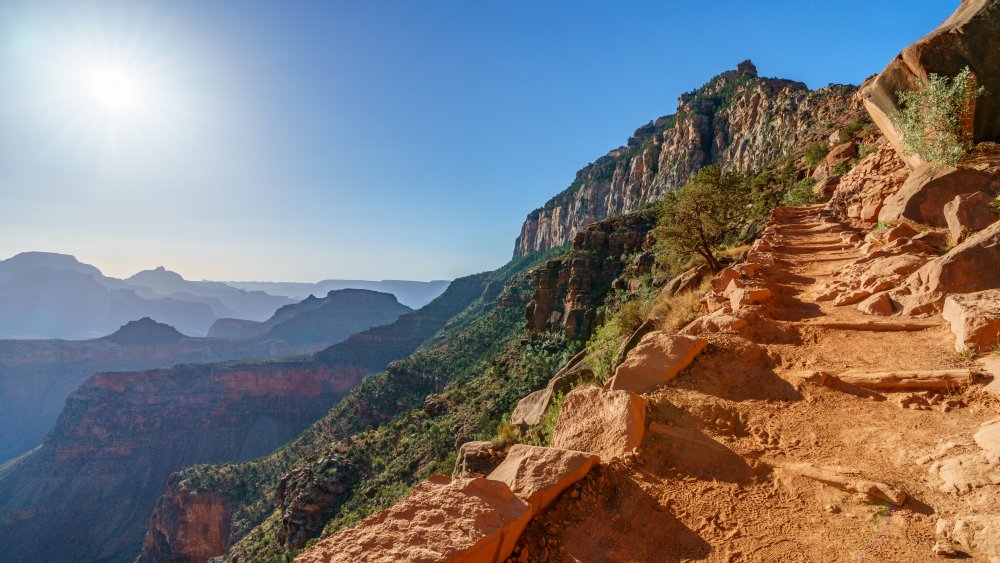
[738, 120]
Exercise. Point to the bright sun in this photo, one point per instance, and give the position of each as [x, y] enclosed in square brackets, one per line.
[113, 89]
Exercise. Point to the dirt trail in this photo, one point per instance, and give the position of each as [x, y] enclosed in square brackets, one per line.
[754, 410]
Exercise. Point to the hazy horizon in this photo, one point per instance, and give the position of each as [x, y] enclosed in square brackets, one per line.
[260, 142]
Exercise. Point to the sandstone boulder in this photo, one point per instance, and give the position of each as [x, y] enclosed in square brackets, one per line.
[928, 189]
[531, 408]
[538, 475]
[979, 533]
[861, 192]
[658, 358]
[878, 304]
[839, 154]
[467, 520]
[901, 230]
[975, 319]
[967, 38]
[715, 322]
[971, 266]
[476, 459]
[606, 423]
[988, 438]
[968, 213]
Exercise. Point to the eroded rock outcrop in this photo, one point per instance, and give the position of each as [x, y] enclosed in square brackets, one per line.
[737, 120]
[971, 266]
[460, 520]
[570, 290]
[966, 39]
[657, 359]
[975, 319]
[928, 189]
[607, 423]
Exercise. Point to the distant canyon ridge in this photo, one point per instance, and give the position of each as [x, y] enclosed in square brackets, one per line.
[46, 295]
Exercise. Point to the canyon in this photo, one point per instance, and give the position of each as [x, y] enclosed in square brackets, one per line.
[828, 393]
[36, 376]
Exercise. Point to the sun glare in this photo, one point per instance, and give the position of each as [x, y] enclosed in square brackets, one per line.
[113, 89]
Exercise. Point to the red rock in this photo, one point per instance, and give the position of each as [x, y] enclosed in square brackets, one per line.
[187, 526]
[599, 421]
[657, 359]
[971, 266]
[861, 192]
[716, 322]
[968, 213]
[928, 189]
[968, 38]
[879, 304]
[901, 230]
[538, 475]
[461, 520]
[839, 154]
[473, 460]
[749, 296]
[975, 319]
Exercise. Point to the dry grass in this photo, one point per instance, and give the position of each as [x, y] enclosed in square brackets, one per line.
[672, 313]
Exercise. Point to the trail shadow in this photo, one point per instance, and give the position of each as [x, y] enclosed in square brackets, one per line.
[671, 450]
[619, 521]
[737, 369]
[843, 387]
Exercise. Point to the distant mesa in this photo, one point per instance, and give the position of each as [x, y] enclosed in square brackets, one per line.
[145, 332]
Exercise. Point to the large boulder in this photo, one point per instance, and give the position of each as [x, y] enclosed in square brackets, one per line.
[538, 475]
[838, 155]
[968, 213]
[531, 408]
[658, 358]
[970, 37]
[975, 319]
[971, 266]
[466, 520]
[476, 459]
[929, 188]
[607, 423]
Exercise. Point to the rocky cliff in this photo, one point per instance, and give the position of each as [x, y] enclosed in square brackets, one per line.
[738, 120]
[120, 436]
[570, 290]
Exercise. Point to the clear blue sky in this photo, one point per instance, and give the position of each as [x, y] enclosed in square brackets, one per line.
[366, 139]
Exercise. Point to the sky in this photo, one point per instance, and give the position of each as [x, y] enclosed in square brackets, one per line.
[305, 140]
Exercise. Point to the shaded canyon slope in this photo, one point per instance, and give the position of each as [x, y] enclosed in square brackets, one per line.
[99, 472]
[738, 120]
[36, 376]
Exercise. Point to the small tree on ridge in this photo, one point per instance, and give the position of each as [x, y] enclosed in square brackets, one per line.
[699, 217]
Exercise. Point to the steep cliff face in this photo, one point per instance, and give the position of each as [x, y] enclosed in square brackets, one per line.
[737, 120]
[121, 435]
[569, 290]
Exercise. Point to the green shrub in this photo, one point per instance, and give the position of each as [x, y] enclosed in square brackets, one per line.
[815, 153]
[881, 226]
[699, 217]
[854, 128]
[865, 149]
[931, 119]
[801, 193]
[842, 168]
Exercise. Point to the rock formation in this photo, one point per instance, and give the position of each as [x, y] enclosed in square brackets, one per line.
[738, 120]
[966, 39]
